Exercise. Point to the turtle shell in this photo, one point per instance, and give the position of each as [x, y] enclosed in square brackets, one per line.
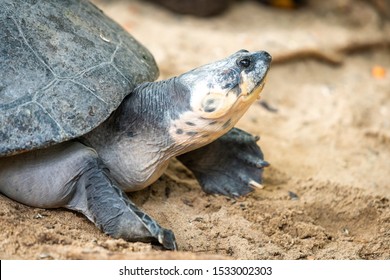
[65, 67]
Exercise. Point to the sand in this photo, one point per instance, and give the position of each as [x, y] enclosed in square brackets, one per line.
[326, 133]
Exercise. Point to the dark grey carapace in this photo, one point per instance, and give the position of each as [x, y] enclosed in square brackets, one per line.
[81, 121]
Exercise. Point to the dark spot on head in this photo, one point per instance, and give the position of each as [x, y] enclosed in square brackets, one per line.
[227, 124]
[213, 122]
[209, 110]
[228, 86]
[236, 90]
[228, 78]
[205, 135]
[190, 124]
[179, 131]
[191, 133]
[210, 106]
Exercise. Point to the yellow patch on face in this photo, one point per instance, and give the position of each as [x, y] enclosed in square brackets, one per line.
[249, 89]
[219, 103]
[249, 94]
[216, 104]
[214, 113]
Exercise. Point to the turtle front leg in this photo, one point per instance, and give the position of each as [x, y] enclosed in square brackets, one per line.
[99, 198]
[232, 165]
[113, 212]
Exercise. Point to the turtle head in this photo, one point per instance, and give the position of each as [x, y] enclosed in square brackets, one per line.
[227, 87]
[219, 94]
[163, 119]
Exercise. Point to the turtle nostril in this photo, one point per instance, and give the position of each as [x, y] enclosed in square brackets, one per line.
[267, 56]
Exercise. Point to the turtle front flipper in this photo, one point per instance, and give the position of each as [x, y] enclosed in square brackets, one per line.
[105, 204]
[232, 165]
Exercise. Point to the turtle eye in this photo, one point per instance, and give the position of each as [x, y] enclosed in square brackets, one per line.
[244, 62]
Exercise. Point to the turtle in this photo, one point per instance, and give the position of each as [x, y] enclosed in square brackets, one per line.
[83, 119]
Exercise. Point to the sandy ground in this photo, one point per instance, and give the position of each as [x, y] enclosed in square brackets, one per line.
[327, 192]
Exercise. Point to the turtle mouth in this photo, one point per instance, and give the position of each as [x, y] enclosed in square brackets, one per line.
[256, 90]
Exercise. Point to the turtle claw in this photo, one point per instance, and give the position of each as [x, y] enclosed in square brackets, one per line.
[154, 232]
[231, 166]
[167, 240]
[256, 185]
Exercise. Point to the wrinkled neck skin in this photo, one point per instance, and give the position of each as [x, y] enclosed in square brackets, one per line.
[134, 142]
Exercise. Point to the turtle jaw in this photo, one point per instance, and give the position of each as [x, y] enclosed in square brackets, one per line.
[256, 92]
[252, 95]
